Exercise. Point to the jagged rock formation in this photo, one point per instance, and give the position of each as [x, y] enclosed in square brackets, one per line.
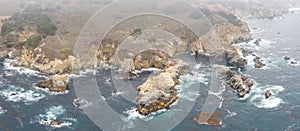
[56, 83]
[36, 61]
[241, 84]
[235, 57]
[258, 62]
[158, 91]
[220, 37]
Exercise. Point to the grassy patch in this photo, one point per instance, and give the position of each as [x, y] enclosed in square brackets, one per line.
[66, 52]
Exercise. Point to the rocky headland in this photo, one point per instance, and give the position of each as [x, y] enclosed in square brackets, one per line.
[27, 45]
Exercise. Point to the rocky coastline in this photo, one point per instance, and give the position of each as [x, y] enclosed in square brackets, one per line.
[158, 91]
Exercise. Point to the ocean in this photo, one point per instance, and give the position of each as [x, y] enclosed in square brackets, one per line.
[25, 107]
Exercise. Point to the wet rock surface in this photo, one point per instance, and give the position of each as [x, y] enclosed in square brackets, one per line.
[240, 84]
[56, 83]
[286, 58]
[268, 94]
[258, 62]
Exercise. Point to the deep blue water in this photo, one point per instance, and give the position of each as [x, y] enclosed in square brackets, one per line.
[280, 37]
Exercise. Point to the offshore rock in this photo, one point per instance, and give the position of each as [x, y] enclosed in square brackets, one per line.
[158, 91]
[241, 84]
[268, 94]
[258, 62]
[56, 83]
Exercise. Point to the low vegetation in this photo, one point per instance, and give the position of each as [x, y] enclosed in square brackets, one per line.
[27, 28]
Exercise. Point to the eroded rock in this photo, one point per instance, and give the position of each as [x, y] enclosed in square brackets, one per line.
[241, 84]
[258, 62]
[56, 83]
[235, 57]
[158, 91]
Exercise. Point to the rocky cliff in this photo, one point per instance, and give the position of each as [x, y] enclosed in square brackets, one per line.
[31, 50]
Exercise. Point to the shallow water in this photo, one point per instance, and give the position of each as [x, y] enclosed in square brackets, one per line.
[23, 106]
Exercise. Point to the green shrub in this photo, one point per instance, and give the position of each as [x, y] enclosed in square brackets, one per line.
[34, 41]
[136, 32]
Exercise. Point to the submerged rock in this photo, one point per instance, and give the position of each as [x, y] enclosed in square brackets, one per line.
[241, 84]
[286, 58]
[258, 62]
[235, 57]
[208, 118]
[257, 41]
[56, 83]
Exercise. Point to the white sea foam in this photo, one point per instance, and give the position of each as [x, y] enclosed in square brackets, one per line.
[196, 77]
[294, 9]
[55, 113]
[88, 71]
[114, 94]
[108, 80]
[18, 94]
[293, 62]
[258, 99]
[2, 110]
[81, 103]
[20, 70]
[48, 92]
[190, 96]
[156, 70]
[230, 114]
[263, 44]
[134, 114]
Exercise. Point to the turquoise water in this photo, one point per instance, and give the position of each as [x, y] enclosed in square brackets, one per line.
[33, 108]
